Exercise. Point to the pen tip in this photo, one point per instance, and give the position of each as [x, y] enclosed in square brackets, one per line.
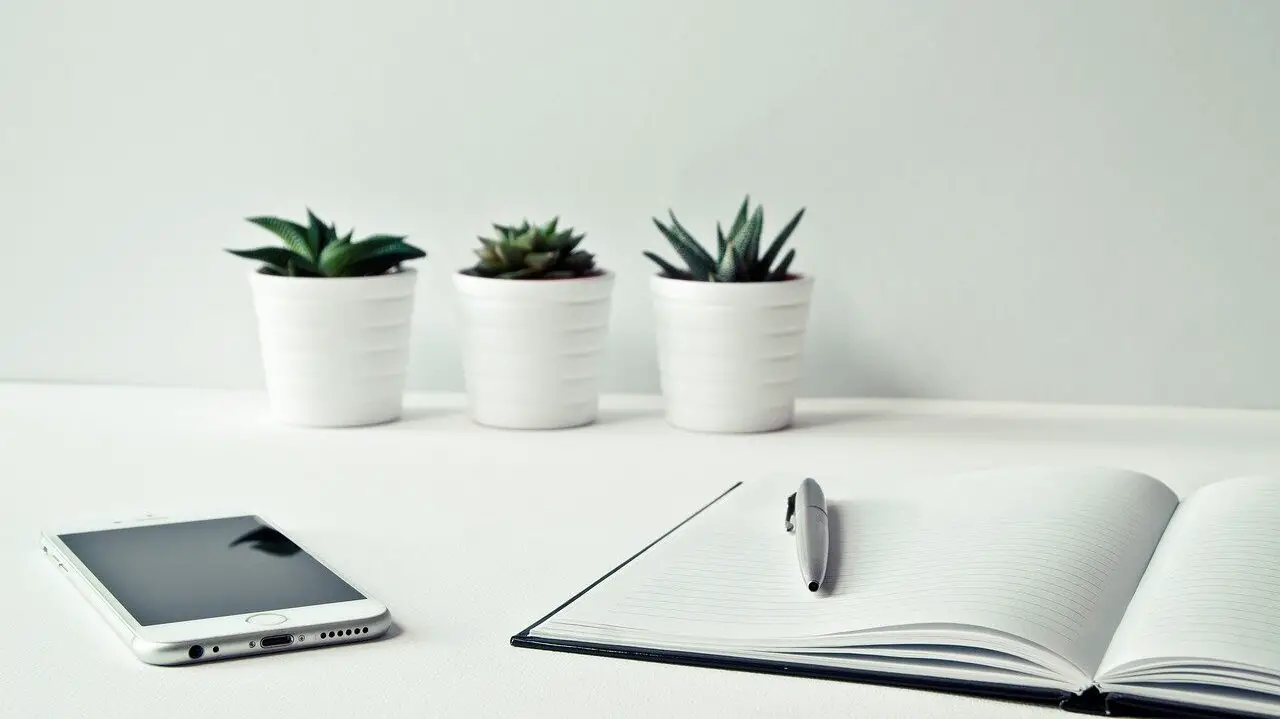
[813, 586]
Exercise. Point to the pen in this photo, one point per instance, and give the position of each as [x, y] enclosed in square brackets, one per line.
[807, 517]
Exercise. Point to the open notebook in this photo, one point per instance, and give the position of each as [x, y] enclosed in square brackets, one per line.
[1092, 588]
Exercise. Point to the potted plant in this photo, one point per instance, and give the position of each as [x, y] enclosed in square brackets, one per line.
[730, 327]
[333, 322]
[536, 319]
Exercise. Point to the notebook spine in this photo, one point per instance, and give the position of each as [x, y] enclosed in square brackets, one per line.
[1119, 704]
[1090, 701]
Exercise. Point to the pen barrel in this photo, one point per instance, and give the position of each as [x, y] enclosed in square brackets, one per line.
[812, 545]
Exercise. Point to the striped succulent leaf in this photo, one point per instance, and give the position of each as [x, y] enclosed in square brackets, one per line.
[316, 250]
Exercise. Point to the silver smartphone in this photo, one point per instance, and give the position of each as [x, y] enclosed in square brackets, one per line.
[186, 591]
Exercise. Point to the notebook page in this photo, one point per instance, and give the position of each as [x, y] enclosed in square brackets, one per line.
[1048, 555]
[1212, 591]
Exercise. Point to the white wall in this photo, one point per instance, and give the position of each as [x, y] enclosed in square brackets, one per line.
[1070, 200]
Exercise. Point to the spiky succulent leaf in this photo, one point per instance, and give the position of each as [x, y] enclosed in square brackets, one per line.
[541, 261]
[728, 269]
[523, 273]
[699, 262]
[526, 240]
[316, 235]
[330, 235]
[776, 246]
[512, 255]
[293, 235]
[275, 258]
[667, 268]
[530, 251]
[688, 239]
[337, 258]
[741, 219]
[738, 257]
[566, 242]
[382, 264]
[784, 266]
[316, 250]
[749, 238]
[578, 262]
[380, 260]
[742, 265]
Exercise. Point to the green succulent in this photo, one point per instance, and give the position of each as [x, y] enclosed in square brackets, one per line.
[533, 252]
[737, 257]
[316, 250]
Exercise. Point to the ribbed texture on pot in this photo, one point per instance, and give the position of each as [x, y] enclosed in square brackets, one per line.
[533, 350]
[335, 350]
[730, 355]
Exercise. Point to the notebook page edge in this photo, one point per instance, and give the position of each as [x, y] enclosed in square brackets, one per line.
[529, 629]
[1198, 573]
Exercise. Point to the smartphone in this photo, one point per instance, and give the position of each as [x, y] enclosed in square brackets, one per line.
[187, 591]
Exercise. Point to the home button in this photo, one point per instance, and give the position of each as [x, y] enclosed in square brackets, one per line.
[266, 620]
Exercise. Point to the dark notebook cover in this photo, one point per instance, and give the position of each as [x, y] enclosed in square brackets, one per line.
[1088, 702]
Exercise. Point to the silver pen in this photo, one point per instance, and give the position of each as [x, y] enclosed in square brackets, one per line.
[807, 517]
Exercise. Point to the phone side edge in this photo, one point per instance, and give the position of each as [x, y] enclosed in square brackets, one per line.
[58, 553]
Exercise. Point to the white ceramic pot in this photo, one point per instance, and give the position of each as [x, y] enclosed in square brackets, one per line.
[335, 349]
[533, 350]
[730, 354]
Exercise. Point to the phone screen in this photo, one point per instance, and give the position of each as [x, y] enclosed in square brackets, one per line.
[178, 572]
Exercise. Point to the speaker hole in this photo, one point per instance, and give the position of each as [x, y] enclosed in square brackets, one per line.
[215, 650]
[364, 630]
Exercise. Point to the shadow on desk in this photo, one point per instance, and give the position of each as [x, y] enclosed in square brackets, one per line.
[960, 421]
[428, 419]
[417, 419]
[421, 415]
[819, 419]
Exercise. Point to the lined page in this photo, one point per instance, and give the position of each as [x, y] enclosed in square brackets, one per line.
[1212, 591]
[1048, 555]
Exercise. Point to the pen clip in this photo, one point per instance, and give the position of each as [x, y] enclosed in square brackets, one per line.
[791, 512]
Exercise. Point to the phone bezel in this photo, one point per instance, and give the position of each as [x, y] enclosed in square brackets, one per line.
[169, 643]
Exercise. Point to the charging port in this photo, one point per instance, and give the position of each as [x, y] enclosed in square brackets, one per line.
[277, 640]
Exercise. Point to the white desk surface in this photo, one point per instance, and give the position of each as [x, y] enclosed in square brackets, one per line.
[470, 534]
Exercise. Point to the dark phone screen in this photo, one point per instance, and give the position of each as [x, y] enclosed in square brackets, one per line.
[177, 572]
